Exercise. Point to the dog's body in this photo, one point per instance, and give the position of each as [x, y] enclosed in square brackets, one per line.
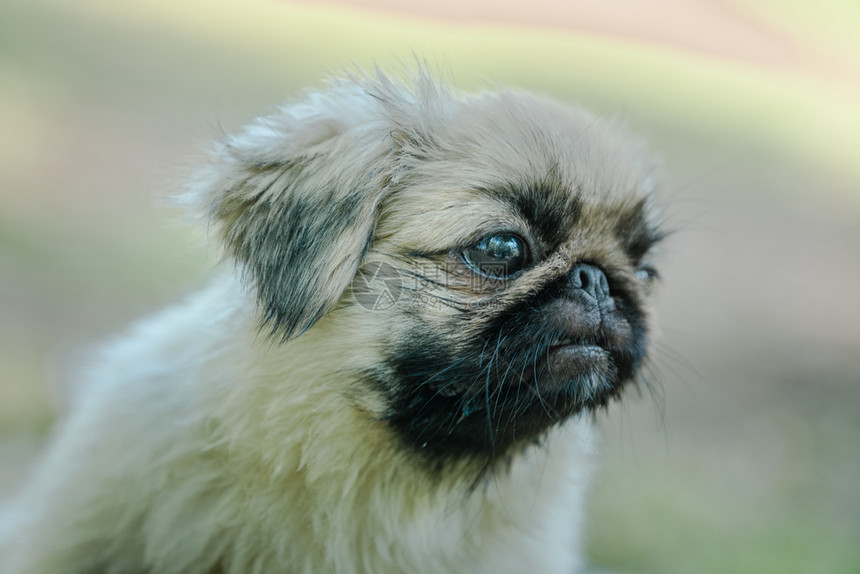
[295, 483]
[341, 437]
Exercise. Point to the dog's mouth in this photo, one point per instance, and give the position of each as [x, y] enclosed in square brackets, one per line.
[565, 364]
[529, 370]
[575, 368]
[512, 395]
[574, 356]
[572, 344]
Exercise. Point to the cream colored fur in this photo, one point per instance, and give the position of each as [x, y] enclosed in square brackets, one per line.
[199, 445]
[193, 440]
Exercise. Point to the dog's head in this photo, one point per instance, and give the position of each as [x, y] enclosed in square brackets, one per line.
[494, 251]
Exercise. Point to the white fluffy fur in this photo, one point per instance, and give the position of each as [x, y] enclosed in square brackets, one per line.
[167, 461]
[198, 446]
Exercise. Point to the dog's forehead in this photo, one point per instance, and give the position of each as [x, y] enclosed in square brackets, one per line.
[512, 160]
[561, 150]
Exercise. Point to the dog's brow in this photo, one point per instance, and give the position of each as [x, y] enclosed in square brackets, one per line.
[549, 207]
[637, 232]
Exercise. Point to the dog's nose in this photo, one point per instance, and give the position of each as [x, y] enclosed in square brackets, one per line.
[590, 279]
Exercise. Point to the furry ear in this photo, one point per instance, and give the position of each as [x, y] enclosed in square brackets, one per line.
[294, 199]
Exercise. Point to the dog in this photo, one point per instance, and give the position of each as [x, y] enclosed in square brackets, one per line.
[429, 296]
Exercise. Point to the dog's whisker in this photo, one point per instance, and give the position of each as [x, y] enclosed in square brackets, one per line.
[499, 383]
[440, 372]
[447, 301]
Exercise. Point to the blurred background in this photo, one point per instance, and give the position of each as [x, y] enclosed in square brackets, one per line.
[744, 457]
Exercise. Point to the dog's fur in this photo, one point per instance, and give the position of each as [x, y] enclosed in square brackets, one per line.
[273, 424]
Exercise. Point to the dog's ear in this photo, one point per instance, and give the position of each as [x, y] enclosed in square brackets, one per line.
[294, 199]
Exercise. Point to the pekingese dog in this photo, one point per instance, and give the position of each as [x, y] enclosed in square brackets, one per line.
[433, 293]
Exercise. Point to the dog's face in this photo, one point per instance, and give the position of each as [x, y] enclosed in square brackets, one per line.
[497, 251]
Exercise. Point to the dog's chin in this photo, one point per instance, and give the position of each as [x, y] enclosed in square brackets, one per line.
[489, 385]
[577, 368]
[574, 376]
[491, 403]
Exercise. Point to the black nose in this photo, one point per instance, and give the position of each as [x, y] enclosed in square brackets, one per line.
[589, 279]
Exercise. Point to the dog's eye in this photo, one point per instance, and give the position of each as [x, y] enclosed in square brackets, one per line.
[647, 273]
[498, 256]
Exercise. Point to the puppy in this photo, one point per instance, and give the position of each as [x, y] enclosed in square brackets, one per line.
[432, 294]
